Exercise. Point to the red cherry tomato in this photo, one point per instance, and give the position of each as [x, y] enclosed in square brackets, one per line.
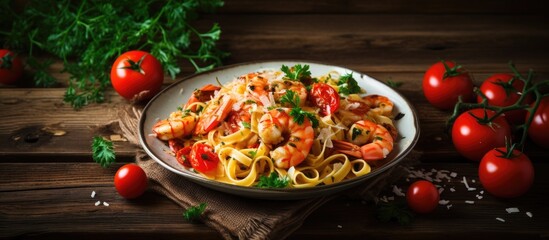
[506, 178]
[202, 158]
[473, 139]
[11, 67]
[500, 93]
[130, 181]
[422, 196]
[325, 97]
[442, 88]
[539, 127]
[137, 75]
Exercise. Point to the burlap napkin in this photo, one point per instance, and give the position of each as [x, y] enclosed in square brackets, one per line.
[237, 217]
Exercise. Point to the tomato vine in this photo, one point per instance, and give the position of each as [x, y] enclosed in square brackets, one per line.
[530, 88]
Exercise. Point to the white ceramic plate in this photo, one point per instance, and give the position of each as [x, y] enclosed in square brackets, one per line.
[178, 93]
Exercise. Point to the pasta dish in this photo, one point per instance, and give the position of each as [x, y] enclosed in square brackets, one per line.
[281, 128]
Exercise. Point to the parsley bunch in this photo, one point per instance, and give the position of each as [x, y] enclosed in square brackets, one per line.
[193, 213]
[88, 35]
[348, 85]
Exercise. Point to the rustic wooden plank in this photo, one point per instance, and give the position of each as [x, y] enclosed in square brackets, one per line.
[39, 201]
[382, 7]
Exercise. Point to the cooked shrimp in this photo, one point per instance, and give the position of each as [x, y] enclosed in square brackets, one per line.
[279, 88]
[215, 112]
[277, 127]
[375, 139]
[379, 104]
[256, 87]
[178, 125]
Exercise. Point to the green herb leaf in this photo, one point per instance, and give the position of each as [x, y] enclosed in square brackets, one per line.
[394, 211]
[273, 181]
[394, 84]
[297, 72]
[299, 116]
[291, 98]
[246, 125]
[103, 151]
[193, 213]
[348, 85]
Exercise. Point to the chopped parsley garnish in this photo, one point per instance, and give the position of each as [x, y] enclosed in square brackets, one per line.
[249, 101]
[291, 98]
[297, 113]
[355, 133]
[297, 72]
[252, 154]
[246, 125]
[299, 116]
[348, 85]
[273, 181]
[394, 211]
[103, 151]
[194, 212]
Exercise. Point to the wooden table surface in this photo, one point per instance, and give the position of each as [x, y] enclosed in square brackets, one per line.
[46, 180]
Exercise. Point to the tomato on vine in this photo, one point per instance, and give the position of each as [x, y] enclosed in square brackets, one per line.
[539, 127]
[11, 67]
[137, 75]
[506, 172]
[502, 90]
[474, 134]
[444, 82]
[422, 196]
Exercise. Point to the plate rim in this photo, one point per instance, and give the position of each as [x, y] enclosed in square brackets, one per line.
[273, 193]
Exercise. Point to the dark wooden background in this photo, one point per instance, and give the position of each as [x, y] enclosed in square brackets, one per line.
[46, 180]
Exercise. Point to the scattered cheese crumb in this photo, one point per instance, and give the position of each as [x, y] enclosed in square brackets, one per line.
[479, 196]
[97, 203]
[453, 174]
[464, 181]
[469, 202]
[449, 206]
[452, 189]
[105, 204]
[482, 192]
[440, 190]
[443, 202]
[529, 214]
[500, 219]
[397, 191]
[512, 210]
[473, 180]
[93, 194]
[339, 226]
[391, 198]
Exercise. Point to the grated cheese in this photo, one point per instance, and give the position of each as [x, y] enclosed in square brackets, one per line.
[105, 204]
[452, 189]
[512, 210]
[443, 202]
[97, 203]
[529, 214]
[339, 226]
[397, 191]
[93, 194]
[469, 202]
[449, 206]
[453, 174]
[500, 219]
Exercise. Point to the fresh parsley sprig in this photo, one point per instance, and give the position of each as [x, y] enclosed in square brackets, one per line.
[297, 72]
[348, 85]
[88, 36]
[299, 115]
[273, 181]
[193, 213]
[103, 151]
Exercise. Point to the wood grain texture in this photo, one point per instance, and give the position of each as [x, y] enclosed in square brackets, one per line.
[61, 206]
[47, 180]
